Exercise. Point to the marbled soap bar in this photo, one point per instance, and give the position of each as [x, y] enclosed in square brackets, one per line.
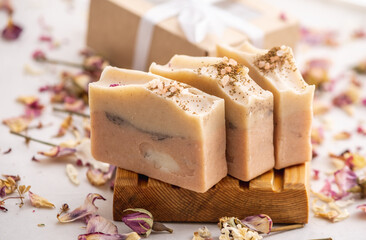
[158, 127]
[275, 70]
[249, 109]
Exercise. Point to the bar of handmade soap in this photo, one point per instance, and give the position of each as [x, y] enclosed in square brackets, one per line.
[158, 127]
[249, 109]
[275, 70]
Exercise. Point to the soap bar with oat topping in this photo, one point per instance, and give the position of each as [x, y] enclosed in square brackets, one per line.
[159, 128]
[275, 70]
[248, 109]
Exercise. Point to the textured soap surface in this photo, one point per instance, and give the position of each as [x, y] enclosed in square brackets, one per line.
[249, 109]
[158, 127]
[275, 70]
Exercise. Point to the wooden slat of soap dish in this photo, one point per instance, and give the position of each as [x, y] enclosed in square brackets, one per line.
[283, 195]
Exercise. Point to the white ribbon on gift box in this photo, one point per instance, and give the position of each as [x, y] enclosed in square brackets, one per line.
[197, 18]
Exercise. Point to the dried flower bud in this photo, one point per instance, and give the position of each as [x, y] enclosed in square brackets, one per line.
[142, 222]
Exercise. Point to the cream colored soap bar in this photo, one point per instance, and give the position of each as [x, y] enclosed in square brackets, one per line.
[158, 127]
[249, 109]
[275, 70]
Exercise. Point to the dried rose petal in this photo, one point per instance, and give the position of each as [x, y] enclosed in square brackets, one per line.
[58, 151]
[11, 31]
[316, 71]
[328, 191]
[45, 38]
[34, 109]
[103, 236]
[359, 33]
[352, 160]
[84, 211]
[65, 125]
[95, 64]
[98, 178]
[27, 99]
[342, 136]
[335, 214]
[342, 100]
[39, 56]
[39, 202]
[72, 173]
[18, 124]
[317, 135]
[101, 224]
[82, 80]
[361, 130]
[86, 127]
[260, 223]
[320, 108]
[345, 179]
[75, 106]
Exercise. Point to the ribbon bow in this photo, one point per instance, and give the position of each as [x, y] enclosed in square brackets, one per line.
[197, 18]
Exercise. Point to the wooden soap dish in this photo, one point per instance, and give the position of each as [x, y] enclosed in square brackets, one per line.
[281, 194]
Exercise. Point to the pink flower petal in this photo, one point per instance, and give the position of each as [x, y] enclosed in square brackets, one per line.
[345, 179]
[99, 178]
[39, 55]
[45, 38]
[11, 31]
[58, 151]
[101, 224]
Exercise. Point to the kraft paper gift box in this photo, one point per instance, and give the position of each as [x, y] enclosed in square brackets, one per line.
[114, 26]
